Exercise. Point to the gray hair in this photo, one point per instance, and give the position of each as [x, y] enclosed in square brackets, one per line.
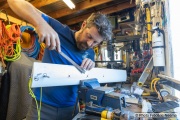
[102, 24]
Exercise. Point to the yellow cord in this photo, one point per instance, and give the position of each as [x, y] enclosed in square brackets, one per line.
[159, 96]
[155, 79]
[16, 52]
[43, 45]
[33, 96]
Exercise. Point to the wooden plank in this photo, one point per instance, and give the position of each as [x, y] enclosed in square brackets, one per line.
[47, 74]
[108, 10]
[41, 3]
[13, 19]
[80, 6]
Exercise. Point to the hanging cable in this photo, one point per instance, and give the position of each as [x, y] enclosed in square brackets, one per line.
[38, 107]
[13, 47]
[155, 79]
[30, 38]
[9, 42]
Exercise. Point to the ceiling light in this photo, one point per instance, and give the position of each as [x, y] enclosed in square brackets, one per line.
[69, 3]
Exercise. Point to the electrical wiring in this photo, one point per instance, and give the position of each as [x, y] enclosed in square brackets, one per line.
[38, 107]
[158, 92]
[34, 46]
[9, 42]
[13, 50]
[155, 79]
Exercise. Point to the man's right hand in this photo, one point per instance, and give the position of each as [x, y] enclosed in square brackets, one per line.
[33, 16]
[49, 36]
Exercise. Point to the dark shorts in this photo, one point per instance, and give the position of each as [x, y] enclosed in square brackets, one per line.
[50, 113]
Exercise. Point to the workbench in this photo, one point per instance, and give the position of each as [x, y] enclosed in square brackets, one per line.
[82, 116]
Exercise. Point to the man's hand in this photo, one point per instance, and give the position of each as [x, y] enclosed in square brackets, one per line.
[34, 16]
[87, 64]
[49, 36]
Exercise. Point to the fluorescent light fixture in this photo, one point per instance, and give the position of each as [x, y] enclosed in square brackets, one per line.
[69, 3]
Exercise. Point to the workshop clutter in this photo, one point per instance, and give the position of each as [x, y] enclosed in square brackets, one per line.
[15, 39]
[150, 24]
[9, 42]
[100, 101]
[140, 47]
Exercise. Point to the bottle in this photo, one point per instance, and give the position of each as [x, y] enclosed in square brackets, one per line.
[158, 48]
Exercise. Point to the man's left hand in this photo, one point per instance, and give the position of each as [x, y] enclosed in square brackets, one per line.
[87, 64]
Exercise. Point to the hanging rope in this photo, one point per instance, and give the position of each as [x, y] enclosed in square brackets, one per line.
[13, 47]
[9, 41]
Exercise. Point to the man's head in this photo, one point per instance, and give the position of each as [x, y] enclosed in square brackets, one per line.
[93, 31]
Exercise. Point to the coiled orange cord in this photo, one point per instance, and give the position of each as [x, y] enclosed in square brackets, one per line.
[9, 42]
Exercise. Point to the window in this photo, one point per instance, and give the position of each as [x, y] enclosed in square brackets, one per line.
[175, 38]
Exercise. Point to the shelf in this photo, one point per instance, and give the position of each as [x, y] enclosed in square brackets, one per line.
[126, 38]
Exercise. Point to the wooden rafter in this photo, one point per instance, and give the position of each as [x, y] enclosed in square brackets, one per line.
[80, 6]
[108, 10]
[41, 3]
[13, 19]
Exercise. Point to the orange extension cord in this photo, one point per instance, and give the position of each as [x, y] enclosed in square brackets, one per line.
[9, 42]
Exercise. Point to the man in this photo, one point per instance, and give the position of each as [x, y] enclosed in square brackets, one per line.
[58, 102]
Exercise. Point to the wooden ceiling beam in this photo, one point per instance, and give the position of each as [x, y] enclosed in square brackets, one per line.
[13, 20]
[80, 6]
[109, 10]
[9, 13]
[41, 3]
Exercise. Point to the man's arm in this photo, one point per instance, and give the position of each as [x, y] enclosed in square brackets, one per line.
[32, 15]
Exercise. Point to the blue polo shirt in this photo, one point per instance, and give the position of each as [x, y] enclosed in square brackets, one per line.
[62, 96]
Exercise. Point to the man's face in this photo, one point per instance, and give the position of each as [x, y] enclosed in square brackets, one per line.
[88, 38]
